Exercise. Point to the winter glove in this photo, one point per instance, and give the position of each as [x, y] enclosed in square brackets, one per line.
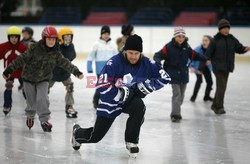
[7, 73]
[77, 73]
[126, 94]
[143, 89]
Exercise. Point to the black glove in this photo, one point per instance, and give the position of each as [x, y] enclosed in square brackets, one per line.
[7, 72]
[126, 94]
[143, 89]
[77, 73]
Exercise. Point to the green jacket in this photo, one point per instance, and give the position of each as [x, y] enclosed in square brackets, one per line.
[39, 62]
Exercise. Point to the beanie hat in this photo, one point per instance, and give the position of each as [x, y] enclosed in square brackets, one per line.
[127, 29]
[179, 31]
[133, 42]
[105, 29]
[223, 23]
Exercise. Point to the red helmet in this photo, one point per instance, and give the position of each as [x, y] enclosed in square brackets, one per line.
[49, 32]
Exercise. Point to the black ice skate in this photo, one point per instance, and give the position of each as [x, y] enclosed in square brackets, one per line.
[176, 118]
[6, 111]
[70, 112]
[133, 149]
[76, 145]
[46, 126]
[30, 122]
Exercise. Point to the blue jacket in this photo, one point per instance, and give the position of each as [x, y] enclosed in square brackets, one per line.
[196, 64]
[68, 52]
[176, 58]
[102, 51]
[119, 72]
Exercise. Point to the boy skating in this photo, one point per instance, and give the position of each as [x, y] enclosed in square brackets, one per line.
[9, 51]
[124, 81]
[176, 55]
[221, 52]
[67, 48]
[39, 62]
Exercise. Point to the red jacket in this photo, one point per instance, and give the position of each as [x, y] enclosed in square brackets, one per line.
[9, 52]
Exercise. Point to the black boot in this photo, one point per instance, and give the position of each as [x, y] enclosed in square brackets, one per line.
[208, 98]
[192, 99]
[176, 118]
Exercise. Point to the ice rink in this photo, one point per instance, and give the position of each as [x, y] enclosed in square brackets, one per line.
[201, 138]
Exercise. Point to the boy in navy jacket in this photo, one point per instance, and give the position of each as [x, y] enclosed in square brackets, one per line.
[176, 55]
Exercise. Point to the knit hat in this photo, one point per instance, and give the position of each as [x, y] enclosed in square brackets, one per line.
[127, 29]
[105, 29]
[223, 23]
[133, 42]
[179, 31]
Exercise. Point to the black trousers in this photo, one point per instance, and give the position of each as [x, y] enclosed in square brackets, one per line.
[136, 110]
[208, 77]
[221, 85]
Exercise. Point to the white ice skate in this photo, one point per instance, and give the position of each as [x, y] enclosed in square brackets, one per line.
[70, 112]
[76, 145]
[133, 149]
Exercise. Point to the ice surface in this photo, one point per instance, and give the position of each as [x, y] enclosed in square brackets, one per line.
[202, 137]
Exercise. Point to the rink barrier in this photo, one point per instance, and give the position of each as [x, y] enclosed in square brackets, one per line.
[154, 37]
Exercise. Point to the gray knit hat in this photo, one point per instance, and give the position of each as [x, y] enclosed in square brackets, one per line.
[223, 23]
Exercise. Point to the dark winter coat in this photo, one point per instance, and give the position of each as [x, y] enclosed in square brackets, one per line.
[39, 62]
[60, 74]
[176, 58]
[221, 52]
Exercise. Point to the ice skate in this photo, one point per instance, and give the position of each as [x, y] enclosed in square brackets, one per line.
[30, 122]
[133, 149]
[70, 112]
[176, 118]
[76, 145]
[6, 111]
[46, 126]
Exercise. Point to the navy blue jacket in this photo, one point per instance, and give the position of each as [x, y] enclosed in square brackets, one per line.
[118, 72]
[176, 58]
[68, 52]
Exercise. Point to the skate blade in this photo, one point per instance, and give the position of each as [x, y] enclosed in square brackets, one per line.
[132, 155]
[6, 113]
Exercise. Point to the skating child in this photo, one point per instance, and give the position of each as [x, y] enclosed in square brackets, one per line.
[27, 39]
[207, 71]
[221, 52]
[65, 37]
[27, 36]
[176, 55]
[103, 50]
[9, 52]
[39, 62]
[126, 31]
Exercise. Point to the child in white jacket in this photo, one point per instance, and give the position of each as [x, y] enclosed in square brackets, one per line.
[102, 51]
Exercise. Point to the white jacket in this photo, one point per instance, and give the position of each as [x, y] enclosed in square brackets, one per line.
[102, 51]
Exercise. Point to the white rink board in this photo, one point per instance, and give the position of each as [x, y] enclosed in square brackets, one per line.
[154, 38]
